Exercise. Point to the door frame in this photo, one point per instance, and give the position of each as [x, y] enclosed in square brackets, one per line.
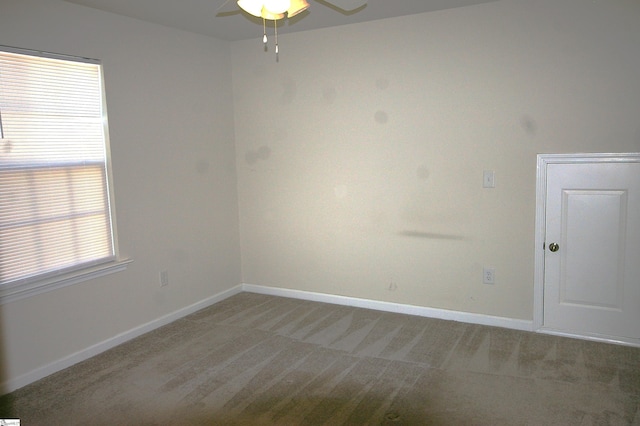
[540, 230]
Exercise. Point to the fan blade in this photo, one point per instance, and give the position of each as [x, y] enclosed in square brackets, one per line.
[347, 5]
[221, 6]
[227, 8]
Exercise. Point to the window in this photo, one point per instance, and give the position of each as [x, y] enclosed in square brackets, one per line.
[55, 201]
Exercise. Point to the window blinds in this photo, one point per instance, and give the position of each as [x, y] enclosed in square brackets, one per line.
[54, 195]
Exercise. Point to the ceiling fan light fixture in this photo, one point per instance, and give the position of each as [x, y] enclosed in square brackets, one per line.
[277, 6]
[296, 7]
[270, 16]
[274, 10]
[252, 7]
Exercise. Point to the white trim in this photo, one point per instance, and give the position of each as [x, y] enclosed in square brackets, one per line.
[592, 336]
[84, 354]
[540, 231]
[467, 317]
[11, 293]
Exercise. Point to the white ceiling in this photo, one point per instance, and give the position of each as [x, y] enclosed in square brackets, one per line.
[224, 20]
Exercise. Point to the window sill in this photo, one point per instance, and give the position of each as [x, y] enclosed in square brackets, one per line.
[21, 291]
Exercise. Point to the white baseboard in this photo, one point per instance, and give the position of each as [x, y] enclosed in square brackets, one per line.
[467, 317]
[84, 354]
[68, 361]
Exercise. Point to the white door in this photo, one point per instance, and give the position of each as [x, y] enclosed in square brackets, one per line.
[592, 250]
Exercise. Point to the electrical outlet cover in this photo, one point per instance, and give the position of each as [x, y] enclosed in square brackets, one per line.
[488, 276]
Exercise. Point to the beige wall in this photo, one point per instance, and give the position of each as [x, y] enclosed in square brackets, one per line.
[360, 154]
[169, 97]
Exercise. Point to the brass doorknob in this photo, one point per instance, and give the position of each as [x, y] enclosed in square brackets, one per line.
[554, 247]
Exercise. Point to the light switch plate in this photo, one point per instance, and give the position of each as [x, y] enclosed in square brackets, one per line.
[488, 179]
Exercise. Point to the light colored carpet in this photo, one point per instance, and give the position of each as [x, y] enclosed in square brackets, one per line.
[264, 360]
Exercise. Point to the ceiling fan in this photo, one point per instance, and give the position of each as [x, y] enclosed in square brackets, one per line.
[274, 10]
[278, 9]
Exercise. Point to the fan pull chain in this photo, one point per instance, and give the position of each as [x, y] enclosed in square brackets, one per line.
[264, 30]
[275, 23]
[264, 36]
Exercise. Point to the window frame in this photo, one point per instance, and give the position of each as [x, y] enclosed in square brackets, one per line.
[30, 286]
